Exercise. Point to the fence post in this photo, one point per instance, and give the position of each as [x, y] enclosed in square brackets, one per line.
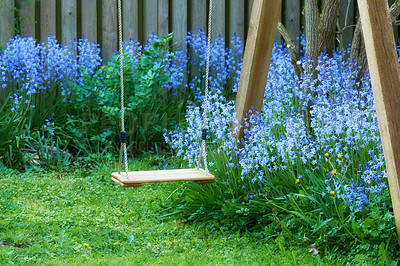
[385, 78]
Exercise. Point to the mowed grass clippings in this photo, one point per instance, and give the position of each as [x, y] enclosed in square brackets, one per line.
[74, 218]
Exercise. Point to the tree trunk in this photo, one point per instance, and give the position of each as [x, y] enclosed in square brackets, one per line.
[358, 53]
[327, 26]
[311, 15]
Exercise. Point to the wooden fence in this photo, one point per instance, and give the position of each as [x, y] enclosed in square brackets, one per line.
[97, 19]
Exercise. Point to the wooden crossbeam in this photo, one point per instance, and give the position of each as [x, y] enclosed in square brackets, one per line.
[257, 57]
[385, 77]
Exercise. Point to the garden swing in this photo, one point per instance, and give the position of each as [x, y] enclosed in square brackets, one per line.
[137, 178]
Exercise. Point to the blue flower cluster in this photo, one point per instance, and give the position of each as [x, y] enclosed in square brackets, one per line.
[341, 144]
[30, 67]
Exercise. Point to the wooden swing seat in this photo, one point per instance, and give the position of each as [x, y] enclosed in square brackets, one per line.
[137, 178]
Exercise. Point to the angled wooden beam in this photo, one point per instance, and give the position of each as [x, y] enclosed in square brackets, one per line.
[257, 57]
[385, 77]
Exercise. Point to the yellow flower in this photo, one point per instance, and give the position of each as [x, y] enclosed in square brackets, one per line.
[332, 193]
[297, 180]
[85, 245]
[333, 172]
[339, 156]
[275, 163]
[326, 155]
[369, 183]
[221, 147]
[117, 243]
[172, 156]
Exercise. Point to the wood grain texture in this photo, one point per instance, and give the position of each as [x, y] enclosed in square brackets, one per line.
[163, 18]
[109, 42]
[150, 20]
[218, 19]
[385, 77]
[89, 20]
[28, 19]
[198, 15]
[293, 19]
[130, 20]
[68, 21]
[6, 22]
[140, 177]
[257, 57]
[47, 19]
[179, 23]
[236, 18]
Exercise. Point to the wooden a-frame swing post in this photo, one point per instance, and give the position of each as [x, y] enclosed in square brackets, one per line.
[257, 56]
[385, 77]
[383, 66]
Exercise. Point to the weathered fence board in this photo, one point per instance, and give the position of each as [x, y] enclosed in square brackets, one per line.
[292, 18]
[179, 23]
[218, 19]
[28, 19]
[130, 20]
[109, 26]
[163, 18]
[89, 20]
[47, 19]
[6, 23]
[236, 18]
[96, 19]
[198, 15]
[347, 22]
[68, 21]
[150, 18]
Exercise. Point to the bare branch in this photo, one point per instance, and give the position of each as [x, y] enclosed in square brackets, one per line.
[294, 52]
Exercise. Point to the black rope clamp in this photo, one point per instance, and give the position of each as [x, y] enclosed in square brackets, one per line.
[123, 138]
[204, 134]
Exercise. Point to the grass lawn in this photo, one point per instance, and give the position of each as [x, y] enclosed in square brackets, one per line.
[62, 218]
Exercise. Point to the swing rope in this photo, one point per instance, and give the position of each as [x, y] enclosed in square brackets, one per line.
[123, 136]
[203, 151]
